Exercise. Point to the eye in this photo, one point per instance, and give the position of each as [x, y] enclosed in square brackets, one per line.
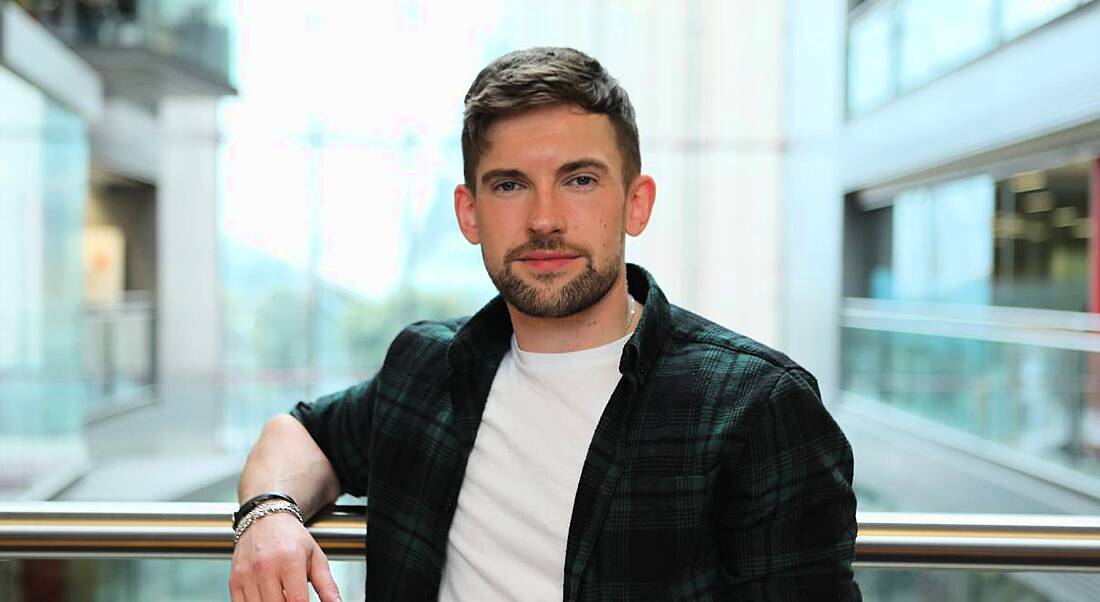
[584, 181]
[507, 186]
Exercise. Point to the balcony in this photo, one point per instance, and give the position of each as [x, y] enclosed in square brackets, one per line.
[147, 49]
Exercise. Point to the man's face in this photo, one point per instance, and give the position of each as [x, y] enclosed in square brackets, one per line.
[550, 209]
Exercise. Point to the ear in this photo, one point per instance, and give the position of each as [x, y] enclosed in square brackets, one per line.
[639, 204]
[466, 213]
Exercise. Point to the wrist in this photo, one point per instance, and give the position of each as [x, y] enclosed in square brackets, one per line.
[265, 509]
[254, 501]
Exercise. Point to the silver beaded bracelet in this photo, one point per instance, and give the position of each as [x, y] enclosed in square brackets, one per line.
[261, 511]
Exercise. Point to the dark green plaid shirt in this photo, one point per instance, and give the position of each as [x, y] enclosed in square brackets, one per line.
[715, 472]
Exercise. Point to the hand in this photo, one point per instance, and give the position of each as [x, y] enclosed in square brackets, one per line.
[274, 560]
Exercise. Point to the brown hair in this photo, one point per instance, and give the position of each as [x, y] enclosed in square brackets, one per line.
[539, 77]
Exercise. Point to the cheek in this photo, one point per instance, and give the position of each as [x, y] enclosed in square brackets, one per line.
[493, 248]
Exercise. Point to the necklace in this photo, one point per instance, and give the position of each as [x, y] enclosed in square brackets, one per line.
[631, 308]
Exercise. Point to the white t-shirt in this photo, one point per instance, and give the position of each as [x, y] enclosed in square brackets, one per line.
[511, 522]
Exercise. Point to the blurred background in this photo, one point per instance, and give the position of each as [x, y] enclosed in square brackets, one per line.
[211, 209]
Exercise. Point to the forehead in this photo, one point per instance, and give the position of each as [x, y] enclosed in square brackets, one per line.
[549, 136]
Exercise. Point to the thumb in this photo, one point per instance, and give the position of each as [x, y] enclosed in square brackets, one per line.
[321, 577]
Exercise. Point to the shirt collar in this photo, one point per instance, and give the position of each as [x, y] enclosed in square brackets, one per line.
[488, 333]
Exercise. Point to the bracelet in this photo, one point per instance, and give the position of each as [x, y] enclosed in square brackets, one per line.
[261, 511]
[249, 505]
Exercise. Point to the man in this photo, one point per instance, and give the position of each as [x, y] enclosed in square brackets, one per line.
[579, 438]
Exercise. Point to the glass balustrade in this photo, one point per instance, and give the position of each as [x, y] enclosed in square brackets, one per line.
[122, 580]
[196, 32]
[1026, 394]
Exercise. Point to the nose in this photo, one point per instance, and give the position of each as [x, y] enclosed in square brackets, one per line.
[547, 215]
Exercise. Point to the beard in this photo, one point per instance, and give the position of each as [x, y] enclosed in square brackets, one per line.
[539, 299]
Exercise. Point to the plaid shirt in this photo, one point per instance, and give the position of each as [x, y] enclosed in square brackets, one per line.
[715, 472]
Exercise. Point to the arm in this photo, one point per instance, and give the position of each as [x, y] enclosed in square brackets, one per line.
[287, 459]
[277, 553]
[787, 522]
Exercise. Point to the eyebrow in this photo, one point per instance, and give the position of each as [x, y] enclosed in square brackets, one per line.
[585, 163]
[494, 174]
[569, 167]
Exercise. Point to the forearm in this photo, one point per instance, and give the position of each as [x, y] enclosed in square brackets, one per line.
[286, 459]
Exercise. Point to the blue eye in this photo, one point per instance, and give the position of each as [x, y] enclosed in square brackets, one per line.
[507, 186]
[584, 181]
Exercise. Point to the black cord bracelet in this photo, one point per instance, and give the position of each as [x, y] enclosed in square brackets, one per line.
[252, 502]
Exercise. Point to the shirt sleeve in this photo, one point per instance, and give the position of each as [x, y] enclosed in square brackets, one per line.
[340, 424]
[787, 521]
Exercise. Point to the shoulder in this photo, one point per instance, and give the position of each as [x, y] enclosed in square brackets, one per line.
[429, 332]
[696, 337]
[423, 342]
[731, 374]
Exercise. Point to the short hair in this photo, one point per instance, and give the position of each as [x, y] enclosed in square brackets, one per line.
[541, 77]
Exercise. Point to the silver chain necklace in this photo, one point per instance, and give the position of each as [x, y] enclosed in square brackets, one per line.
[631, 309]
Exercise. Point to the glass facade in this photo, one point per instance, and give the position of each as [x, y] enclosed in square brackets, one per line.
[871, 74]
[895, 46]
[938, 35]
[43, 183]
[1022, 242]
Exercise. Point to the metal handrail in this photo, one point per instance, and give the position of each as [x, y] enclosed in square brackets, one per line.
[201, 530]
[151, 530]
[1014, 325]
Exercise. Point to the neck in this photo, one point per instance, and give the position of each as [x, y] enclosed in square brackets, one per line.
[600, 324]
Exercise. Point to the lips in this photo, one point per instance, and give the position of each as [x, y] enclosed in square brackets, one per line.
[546, 261]
[546, 256]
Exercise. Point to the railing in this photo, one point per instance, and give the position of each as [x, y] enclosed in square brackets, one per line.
[146, 530]
[193, 31]
[1014, 325]
[197, 530]
[118, 353]
[1023, 379]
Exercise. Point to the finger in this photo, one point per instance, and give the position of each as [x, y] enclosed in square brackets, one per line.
[321, 577]
[271, 589]
[252, 593]
[294, 582]
[236, 594]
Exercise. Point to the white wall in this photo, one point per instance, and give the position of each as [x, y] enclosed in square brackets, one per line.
[813, 205]
[711, 135]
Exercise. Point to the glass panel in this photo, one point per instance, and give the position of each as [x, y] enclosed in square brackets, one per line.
[197, 31]
[933, 37]
[43, 179]
[1039, 400]
[933, 244]
[973, 586]
[168, 580]
[1020, 16]
[871, 73]
[1043, 229]
[938, 35]
[174, 580]
[1020, 242]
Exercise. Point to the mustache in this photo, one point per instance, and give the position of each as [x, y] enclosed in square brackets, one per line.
[551, 243]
